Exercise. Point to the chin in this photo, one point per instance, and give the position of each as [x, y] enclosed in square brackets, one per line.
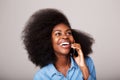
[65, 52]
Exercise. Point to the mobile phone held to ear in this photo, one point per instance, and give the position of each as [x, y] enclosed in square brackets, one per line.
[74, 52]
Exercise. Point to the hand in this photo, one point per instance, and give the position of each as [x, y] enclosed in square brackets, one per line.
[80, 60]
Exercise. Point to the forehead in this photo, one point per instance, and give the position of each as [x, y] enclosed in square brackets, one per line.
[61, 27]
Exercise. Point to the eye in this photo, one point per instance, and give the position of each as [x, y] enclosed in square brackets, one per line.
[69, 33]
[58, 34]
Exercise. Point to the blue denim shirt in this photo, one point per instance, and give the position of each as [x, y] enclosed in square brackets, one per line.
[49, 72]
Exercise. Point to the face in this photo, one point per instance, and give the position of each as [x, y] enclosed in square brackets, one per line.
[62, 39]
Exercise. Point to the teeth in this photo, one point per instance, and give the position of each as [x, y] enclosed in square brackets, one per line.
[64, 43]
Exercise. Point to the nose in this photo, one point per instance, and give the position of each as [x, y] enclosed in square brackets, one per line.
[64, 36]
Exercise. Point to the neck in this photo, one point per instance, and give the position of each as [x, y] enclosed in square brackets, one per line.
[63, 60]
[62, 63]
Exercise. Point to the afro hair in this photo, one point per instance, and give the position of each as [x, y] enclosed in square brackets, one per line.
[37, 36]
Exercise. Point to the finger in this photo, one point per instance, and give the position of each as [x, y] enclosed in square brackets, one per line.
[73, 46]
[76, 46]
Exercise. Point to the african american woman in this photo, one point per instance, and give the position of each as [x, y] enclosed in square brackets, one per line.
[61, 52]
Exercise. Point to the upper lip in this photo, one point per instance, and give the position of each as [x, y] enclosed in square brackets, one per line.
[62, 43]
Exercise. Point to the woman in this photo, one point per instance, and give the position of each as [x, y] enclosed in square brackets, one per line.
[60, 51]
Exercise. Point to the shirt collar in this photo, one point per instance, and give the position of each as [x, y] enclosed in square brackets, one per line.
[53, 70]
[73, 64]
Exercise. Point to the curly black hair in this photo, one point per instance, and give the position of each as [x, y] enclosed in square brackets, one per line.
[37, 36]
[84, 39]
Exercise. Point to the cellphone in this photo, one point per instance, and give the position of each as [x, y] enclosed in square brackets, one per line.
[74, 52]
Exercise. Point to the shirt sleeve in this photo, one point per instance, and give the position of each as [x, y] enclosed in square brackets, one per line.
[39, 76]
[36, 78]
[91, 68]
[92, 75]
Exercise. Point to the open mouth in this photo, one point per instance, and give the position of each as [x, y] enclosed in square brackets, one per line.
[65, 44]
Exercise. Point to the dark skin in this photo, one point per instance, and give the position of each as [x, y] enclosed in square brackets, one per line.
[63, 41]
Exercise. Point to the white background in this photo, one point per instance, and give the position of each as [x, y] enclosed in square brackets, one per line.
[100, 18]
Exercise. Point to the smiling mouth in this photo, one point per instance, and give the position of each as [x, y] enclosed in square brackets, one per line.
[65, 44]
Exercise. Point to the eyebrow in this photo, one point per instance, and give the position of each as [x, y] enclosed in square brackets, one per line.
[60, 30]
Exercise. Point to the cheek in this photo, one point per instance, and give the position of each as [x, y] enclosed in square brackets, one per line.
[54, 42]
[72, 39]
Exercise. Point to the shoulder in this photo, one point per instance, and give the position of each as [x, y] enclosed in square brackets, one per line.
[43, 73]
[88, 60]
[89, 63]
